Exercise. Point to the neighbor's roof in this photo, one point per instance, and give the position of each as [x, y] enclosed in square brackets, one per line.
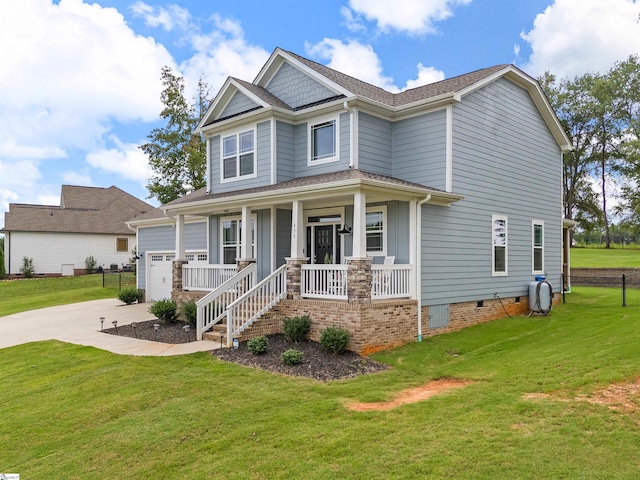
[81, 210]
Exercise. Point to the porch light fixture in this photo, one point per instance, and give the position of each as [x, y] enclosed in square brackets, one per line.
[345, 230]
[115, 325]
[102, 324]
[186, 331]
[135, 332]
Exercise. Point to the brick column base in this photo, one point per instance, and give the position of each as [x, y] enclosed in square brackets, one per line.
[359, 280]
[294, 277]
[176, 274]
[242, 263]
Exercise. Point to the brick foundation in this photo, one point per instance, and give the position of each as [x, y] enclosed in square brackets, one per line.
[176, 274]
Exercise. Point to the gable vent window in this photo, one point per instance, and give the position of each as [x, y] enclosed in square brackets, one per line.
[238, 156]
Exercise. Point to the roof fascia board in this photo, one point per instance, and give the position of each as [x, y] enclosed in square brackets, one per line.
[250, 117]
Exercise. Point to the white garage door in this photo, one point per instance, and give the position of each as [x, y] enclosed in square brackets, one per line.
[159, 275]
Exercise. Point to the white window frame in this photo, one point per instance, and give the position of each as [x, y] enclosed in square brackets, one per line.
[495, 273]
[116, 246]
[540, 247]
[383, 210]
[236, 133]
[238, 244]
[310, 129]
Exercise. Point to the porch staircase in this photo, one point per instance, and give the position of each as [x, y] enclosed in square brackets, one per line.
[237, 304]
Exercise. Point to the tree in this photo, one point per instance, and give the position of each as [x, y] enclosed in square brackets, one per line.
[3, 272]
[177, 156]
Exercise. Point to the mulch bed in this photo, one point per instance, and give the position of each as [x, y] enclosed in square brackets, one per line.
[317, 363]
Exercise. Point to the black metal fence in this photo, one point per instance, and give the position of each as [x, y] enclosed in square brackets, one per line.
[118, 280]
[622, 290]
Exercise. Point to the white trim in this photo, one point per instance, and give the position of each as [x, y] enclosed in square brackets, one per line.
[385, 228]
[533, 247]
[334, 117]
[236, 132]
[272, 237]
[238, 245]
[449, 149]
[506, 246]
[208, 166]
[274, 163]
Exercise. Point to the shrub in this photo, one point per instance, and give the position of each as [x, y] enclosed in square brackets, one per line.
[90, 264]
[27, 268]
[334, 339]
[3, 272]
[165, 310]
[258, 345]
[190, 312]
[291, 357]
[130, 295]
[297, 329]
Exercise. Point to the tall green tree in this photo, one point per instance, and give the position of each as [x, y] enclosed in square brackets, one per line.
[3, 272]
[177, 156]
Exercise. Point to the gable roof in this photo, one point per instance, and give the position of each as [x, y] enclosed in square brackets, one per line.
[81, 210]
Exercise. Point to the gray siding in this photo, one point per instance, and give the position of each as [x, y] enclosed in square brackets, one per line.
[214, 240]
[505, 162]
[238, 104]
[419, 149]
[263, 156]
[263, 243]
[283, 236]
[163, 239]
[374, 144]
[296, 88]
[302, 154]
[285, 151]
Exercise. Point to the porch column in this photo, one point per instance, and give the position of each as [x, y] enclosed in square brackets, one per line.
[359, 225]
[246, 252]
[413, 246]
[297, 230]
[180, 248]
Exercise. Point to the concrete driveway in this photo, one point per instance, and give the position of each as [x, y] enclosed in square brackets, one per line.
[79, 323]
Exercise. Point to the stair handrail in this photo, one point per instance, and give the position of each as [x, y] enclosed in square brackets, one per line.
[278, 280]
[211, 297]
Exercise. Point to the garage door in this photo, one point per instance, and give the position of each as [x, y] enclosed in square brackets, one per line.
[159, 275]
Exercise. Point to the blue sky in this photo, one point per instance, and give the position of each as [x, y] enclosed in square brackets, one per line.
[80, 81]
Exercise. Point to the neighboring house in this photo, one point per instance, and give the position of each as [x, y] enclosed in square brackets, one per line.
[397, 215]
[90, 221]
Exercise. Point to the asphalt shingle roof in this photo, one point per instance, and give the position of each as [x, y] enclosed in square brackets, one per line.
[81, 210]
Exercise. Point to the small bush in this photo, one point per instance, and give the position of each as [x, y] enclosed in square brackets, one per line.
[258, 345]
[334, 339]
[189, 311]
[165, 310]
[291, 357]
[130, 295]
[296, 329]
[90, 264]
[27, 269]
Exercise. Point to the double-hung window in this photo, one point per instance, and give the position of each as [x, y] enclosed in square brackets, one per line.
[323, 141]
[231, 234]
[537, 241]
[499, 263]
[238, 156]
[376, 231]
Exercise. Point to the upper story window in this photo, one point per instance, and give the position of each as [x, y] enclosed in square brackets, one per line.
[238, 156]
[537, 232]
[500, 244]
[323, 141]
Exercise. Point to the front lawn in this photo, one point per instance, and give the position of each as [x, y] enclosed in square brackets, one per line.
[76, 412]
[31, 293]
[605, 258]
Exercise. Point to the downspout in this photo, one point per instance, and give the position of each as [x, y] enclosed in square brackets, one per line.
[419, 261]
[353, 151]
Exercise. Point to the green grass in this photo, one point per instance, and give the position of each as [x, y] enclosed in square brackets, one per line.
[605, 258]
[29, 294]
[76, 412]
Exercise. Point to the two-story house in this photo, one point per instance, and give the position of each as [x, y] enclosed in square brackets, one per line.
[396, 216]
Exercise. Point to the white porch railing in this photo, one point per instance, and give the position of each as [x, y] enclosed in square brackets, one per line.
[212, 308]
[256, 302]
[390, 281]
[324, 281]
[206, 277]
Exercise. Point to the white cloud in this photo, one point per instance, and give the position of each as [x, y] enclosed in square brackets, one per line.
[426, 75]
[352, 22]
[77, 178]
[169, 18]
[572, 37]
[411, 16]
[126, 160]
[353, 58]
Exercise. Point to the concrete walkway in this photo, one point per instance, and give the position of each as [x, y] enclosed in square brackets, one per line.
[79, 323]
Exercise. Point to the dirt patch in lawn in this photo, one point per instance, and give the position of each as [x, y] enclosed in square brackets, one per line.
[412, 395]
[621, 396]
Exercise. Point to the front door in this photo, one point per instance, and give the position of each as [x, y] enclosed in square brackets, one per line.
[324, 236]
[323, 241]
